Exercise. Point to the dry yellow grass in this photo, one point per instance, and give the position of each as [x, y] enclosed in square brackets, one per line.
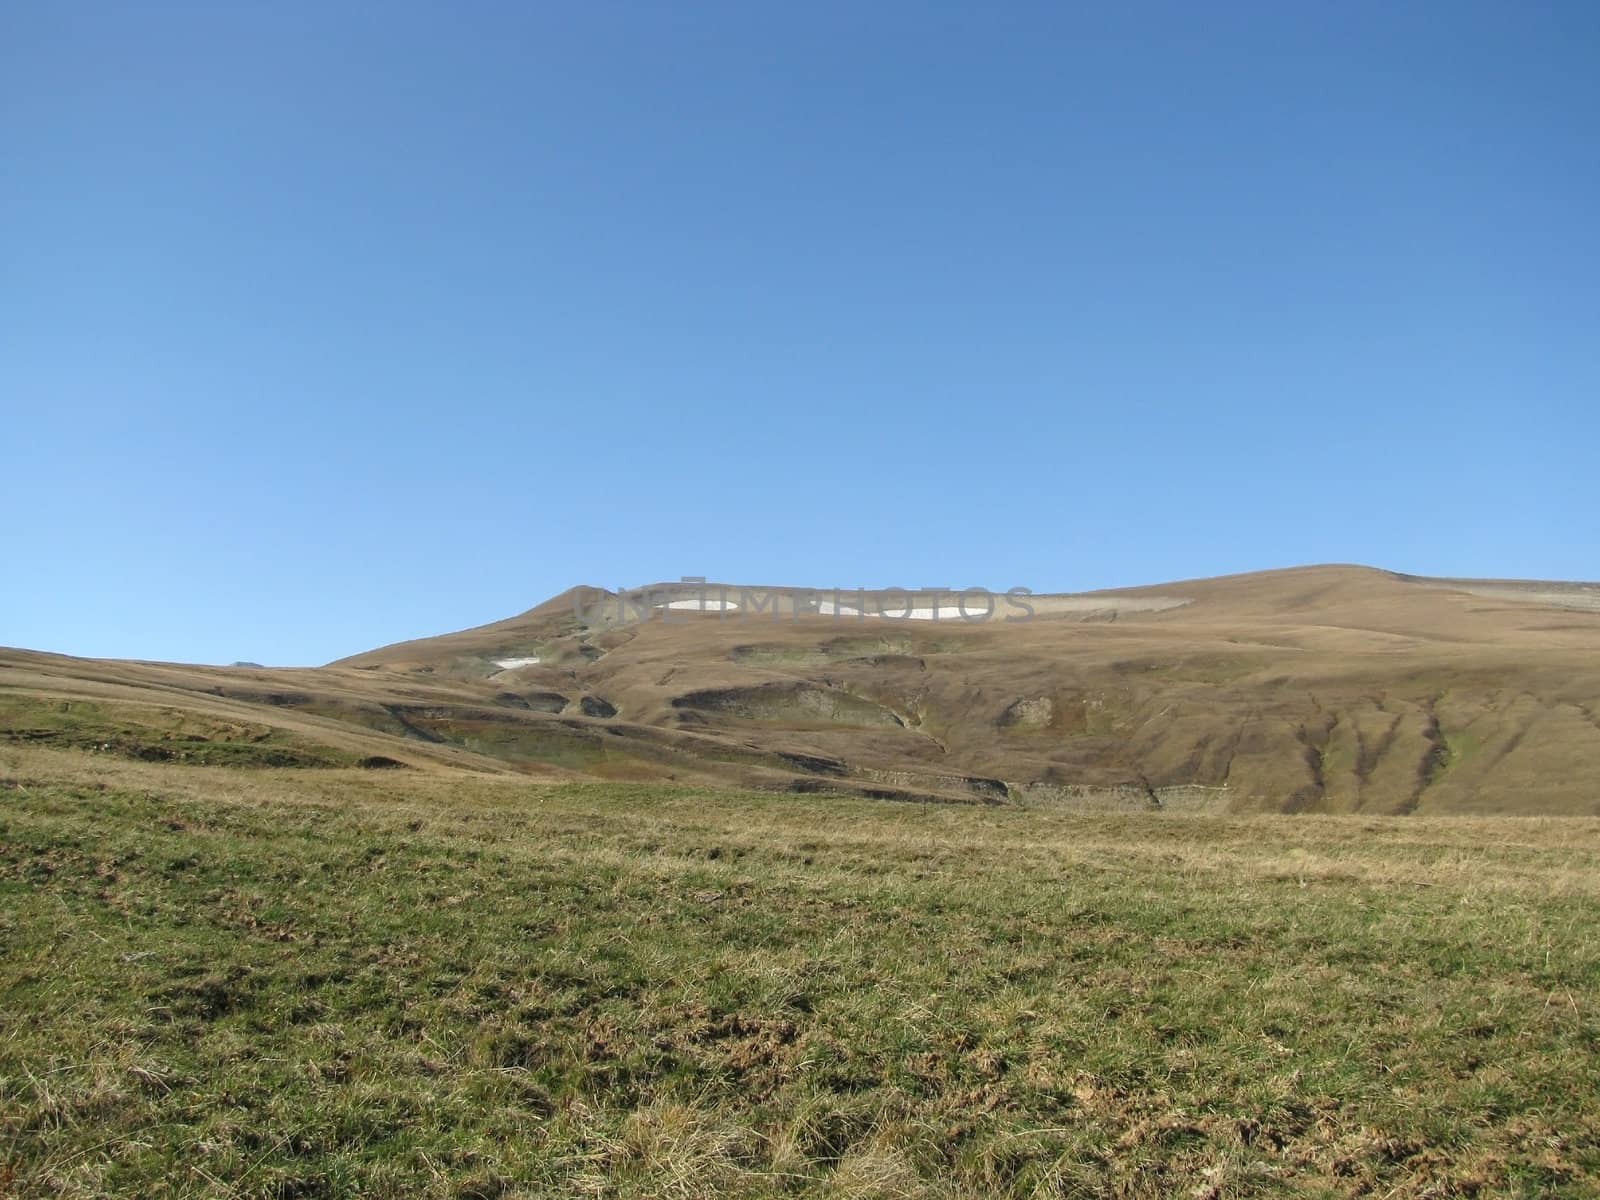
[451, 983]
[1320, 689]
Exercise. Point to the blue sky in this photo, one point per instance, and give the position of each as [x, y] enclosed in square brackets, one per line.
[323, 326]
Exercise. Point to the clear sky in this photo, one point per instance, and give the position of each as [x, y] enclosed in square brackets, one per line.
[325, 325]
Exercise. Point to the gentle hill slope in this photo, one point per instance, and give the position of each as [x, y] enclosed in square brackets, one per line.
[1328, 689]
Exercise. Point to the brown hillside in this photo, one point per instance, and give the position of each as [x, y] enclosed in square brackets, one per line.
[1318, 689]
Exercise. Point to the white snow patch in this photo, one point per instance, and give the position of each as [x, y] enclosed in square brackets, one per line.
[828, 608]
[978, 610]
[511, 664]
[699, 605]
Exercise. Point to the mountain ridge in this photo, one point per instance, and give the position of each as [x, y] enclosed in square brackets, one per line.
[1320, 688]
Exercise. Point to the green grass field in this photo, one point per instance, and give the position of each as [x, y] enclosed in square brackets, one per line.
[280, 983]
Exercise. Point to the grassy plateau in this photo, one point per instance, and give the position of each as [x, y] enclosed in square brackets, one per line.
[273, 982]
